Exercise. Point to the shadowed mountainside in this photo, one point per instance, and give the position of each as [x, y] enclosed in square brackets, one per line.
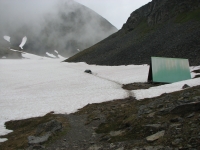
[167, 28]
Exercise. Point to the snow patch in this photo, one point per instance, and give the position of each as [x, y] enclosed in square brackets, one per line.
[168, 88]
[24, 39]
[32, 56]
[56, 51]
[4, 57]
[61, 57]
[3, 140]
[50, 55]
[7, 38]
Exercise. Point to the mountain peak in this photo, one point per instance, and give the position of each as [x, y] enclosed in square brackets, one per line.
[167, 28]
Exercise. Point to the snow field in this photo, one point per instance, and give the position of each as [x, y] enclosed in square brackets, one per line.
[31, 88]
[35, 86]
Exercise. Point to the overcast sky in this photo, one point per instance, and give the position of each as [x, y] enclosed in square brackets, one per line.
[18, 12]
[115, 11]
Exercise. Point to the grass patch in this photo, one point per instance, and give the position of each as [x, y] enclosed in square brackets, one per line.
[24, 128]
[187, 16]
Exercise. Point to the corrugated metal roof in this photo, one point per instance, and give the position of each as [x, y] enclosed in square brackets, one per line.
[169, 70]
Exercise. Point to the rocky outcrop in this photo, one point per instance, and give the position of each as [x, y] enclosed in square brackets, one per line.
[159, 11]
[43, 133]
[167, 28]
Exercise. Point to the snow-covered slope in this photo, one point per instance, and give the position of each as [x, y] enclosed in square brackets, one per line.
[34, 87]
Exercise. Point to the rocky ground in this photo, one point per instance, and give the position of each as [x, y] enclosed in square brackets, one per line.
[168, 122]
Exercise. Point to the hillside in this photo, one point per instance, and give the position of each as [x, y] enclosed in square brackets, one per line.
[167, 28]
[66, 28]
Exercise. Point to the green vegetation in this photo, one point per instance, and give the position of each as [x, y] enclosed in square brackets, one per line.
[188, 16]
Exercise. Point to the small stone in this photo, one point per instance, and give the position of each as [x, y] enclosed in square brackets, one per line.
[191, 115]
[153, 126]
[160, 106]
[88, 71]
[185, 86]
[185, 108]
[94, 147]
[155, 136]
[93, 134]
[189, 146]
[177, 119]
[91, 142]
[121, 148]
[175, 125]
[176, 142]
[151, 115]
[96, 118]
[112, 145]
[116, 133]
[38, 140]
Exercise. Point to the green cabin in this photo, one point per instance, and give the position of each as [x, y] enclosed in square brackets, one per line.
[168, 70]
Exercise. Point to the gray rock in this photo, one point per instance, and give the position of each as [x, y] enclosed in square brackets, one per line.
[176, 142]
[38, 140]
[155, 136]
[151, 115]
[112, 145]
[176, 119]
[153, 127]
[121, 148]
[51, 126]
[88, 71]
[185, 86]
[185, 108]
[153, 147]
[191, 115]
[94, 147]
[116, 133]
[175, 125]
[196, 98]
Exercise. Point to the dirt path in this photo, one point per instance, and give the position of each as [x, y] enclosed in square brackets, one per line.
[80, 136]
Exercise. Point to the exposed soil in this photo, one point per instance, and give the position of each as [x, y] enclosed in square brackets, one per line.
[140, 85]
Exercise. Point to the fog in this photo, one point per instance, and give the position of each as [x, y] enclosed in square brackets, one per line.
[62, 25]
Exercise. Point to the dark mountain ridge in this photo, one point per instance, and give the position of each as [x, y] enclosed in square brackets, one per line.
[164, 28]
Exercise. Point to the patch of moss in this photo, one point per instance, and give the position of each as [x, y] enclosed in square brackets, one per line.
[188, 16]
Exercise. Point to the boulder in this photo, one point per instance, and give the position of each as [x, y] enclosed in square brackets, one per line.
[155, 136]
[51, 126]
[88, 71]
[32, 140]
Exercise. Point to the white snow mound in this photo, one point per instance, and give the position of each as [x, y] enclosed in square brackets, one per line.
[50, 55]
[7, 38]
[24, 39]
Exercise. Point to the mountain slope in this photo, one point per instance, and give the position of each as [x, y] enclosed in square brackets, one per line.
[167, 28]
[70, 26]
